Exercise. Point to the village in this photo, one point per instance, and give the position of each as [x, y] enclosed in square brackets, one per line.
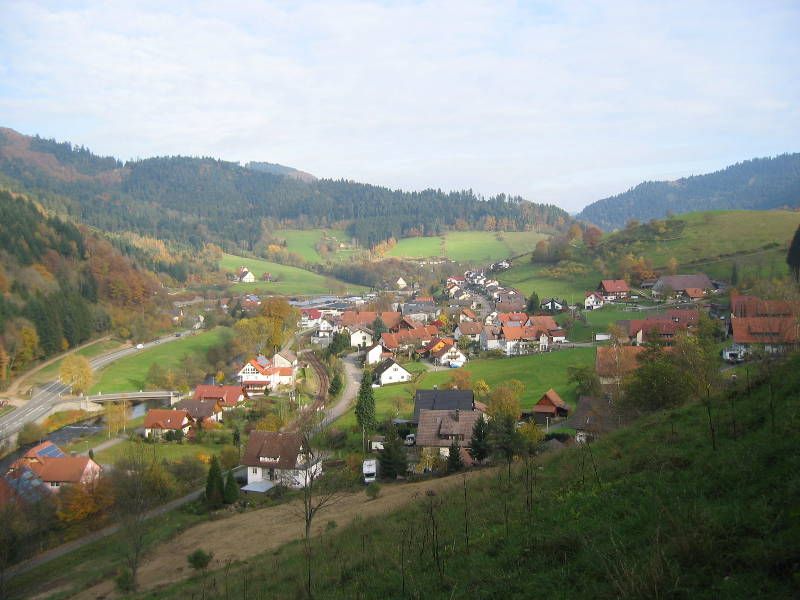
[274, 407]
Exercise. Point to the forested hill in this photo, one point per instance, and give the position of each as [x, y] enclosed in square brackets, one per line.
[277, 169]
[758, 184]
[197, 200]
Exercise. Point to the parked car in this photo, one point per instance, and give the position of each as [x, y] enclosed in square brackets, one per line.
[139, 346]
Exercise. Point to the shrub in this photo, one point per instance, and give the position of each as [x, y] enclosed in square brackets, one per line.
[199, 559]
[373, 490]
[124, 580]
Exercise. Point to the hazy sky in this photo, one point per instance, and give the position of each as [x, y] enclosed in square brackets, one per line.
[557, 101]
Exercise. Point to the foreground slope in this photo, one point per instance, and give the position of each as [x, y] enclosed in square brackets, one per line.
[761, 183]
[651, 511]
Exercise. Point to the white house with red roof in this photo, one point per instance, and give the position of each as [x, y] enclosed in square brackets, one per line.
[593, 300]
[310, 317]
[55, 469]
[614, 289]
[229, 396]
[261, 374]
[158, 421]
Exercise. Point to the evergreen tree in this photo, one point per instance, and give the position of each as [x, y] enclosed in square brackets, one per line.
[365, 405]
[378, 328]
[533, 303]
[454, 462]
[231, 492]
[393, 459]
[336, 384]
[215, 486]
[479, 445]
[735, 274]
[793, 257]
[505, 440]
[237, 438]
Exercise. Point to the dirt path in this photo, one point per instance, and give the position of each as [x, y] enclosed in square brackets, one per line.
[242, 536]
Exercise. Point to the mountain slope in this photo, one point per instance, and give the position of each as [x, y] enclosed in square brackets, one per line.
[196, 200]
[276, 169]
[761, 183]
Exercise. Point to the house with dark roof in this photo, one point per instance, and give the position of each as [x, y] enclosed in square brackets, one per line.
[462, 400]
[202, 410]
[469, 330]
[669, 285]
[278, 458]
[158, 421]
[389, 371]
[438, 429]
[593, 418]
[229, 396]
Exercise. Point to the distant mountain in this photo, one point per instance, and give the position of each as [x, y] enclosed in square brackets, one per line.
[276, 169]
[199, 200]
[758, 184]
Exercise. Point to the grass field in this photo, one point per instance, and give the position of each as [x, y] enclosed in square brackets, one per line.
[304, 241]
[539, 373]
[170, 452]
[528, 278]
[291, 280]
[128, 374]
[468, 246]
[50, 372]
[599, 320]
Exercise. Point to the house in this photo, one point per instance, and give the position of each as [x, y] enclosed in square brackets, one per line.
[469, 330]
[284, 358]
[243, 275]
[203, 410]
[594, 417]
[420, 310]
[669, 285]
[277, 458]
[409, 338]
[613, 363]
[158, 421]
[324, 328]
[373, 355]
[774, 334]
[467, 314]
[391, 319]
[48, 463]
[614, 289]
[445, 352]
[437, 429]
[553, 305]
[593, 300]
[390, 372]
[463, 400]
[660, 329]
[309, 317]
[229, 396]
[550, 406]
[490, 338]
[693, 294]
[260, 374]
[753, 306]
[360, 337]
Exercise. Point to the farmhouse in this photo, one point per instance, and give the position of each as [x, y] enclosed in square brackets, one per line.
[390, 372]
[158, 421]
[753, 306]
[774, 334]
[409, 338]
[614, 289]
[366, 318]
[202, 411]
[277, 458]
[669, 285]
[261, 374]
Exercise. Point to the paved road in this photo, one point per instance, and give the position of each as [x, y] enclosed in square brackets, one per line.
[352, 381]
[46, 396]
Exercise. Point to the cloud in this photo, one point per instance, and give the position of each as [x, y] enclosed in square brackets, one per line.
[558, 102]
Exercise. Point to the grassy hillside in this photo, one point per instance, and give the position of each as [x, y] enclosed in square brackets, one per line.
[128, 374]
[291, 280]
[709, 241]
[304, 241]
[468, 246]
[652, 511]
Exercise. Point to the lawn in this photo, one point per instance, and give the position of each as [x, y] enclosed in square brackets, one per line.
[128, 374]
[539, 373]
[304, 241]
[50, 372]
[291, 280]
[168, 451]
[468, 246]
[599, 320]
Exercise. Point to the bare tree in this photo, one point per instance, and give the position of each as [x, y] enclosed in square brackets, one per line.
[137, 489]
[318, 494]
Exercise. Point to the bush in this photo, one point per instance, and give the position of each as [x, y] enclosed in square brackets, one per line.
[373, 490]
[30, 433]
[199, 559]
[124, 580]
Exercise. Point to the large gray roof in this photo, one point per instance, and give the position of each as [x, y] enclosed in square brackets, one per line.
[443, 400]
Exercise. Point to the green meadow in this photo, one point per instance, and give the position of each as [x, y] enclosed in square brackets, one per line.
[128, 374]
[468, 246]
[291, 281]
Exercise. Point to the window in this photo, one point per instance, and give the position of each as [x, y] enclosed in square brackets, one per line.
[254, 470]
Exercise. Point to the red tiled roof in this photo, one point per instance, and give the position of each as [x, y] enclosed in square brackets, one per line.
[228, 394]
[614, 286]
[550, 400]
[408, 336]
[366, 318]
[765, 330]
[513, 317]
[65, 469]
[694, 292]
[161, 418]
[753, 306]
[470, 328]
[543, 322]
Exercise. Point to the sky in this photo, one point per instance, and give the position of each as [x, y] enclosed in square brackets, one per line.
[560, 102]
